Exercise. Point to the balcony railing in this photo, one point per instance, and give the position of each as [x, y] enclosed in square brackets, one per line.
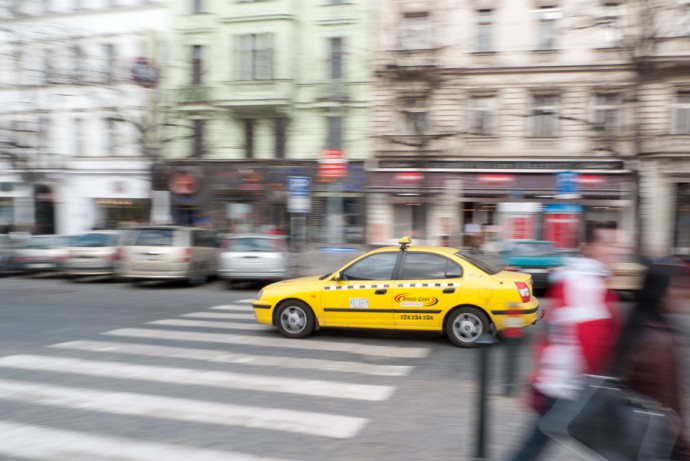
[333, 90]
[193, 94]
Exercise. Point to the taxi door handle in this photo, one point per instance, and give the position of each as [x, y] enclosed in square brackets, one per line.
[449, 290]
[381, 291]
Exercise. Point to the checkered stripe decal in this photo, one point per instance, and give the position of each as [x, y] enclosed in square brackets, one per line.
[427, 285]
[356, 287]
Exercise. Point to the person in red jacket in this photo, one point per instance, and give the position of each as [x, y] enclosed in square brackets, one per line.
[582, 326]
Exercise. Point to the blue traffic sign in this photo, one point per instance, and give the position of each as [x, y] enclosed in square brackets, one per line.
[567, 182]
[299, 186]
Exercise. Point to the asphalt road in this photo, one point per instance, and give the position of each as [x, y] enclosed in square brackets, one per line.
[106, 371]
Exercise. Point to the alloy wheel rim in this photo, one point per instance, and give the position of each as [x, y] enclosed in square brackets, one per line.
[467, 327]
[293, 319]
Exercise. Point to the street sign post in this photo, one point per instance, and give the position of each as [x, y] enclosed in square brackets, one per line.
[299, 194]
[567, 185]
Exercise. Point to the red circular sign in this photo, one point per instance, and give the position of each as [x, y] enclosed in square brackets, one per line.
[183, 183]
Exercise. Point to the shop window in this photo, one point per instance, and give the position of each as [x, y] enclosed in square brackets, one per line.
[410, 219]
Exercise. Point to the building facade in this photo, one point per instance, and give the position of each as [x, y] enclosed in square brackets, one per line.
[76, 82]
[263, 89]
[487, 103]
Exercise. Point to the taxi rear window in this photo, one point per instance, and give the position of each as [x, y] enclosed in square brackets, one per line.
[479, 263]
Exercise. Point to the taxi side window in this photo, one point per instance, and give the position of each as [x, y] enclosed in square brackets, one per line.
[426, 266]
[375, 267]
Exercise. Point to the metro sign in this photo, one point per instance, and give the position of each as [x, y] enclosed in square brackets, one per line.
[332, 164]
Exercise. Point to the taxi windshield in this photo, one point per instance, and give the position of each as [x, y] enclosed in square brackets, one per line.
[479, 263]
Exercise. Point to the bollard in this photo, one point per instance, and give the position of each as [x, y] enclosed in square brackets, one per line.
[512, 333]
[484, 342]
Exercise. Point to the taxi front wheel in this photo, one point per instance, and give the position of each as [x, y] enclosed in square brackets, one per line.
[295, 320]
[466, 325]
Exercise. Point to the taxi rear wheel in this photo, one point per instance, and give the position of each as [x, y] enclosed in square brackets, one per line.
[295, 320]
[466, 325]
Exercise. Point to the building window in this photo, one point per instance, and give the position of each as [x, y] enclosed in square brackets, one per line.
[48, 67]
[197, 64]
[415, 33]
[77, 64]
[610, 32]
[483, 116]
[336, 58]
[545, 117]
[255, 56]
[280, 137]
[110, 62]
[249, 133]
[112, 137]
[484, 31]
[414, 116]
[546, 32]
[682, 114]
[43, 134]
[198, 144]
[335, 131]
[198, 6]
[607, 112]
[78, 138]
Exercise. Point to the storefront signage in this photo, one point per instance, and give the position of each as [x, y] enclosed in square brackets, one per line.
[183, 183]
[333, 164]
[408, 178]
[504, 165]
[496, 178]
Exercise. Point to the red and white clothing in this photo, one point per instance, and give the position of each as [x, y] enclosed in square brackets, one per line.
[582, 326]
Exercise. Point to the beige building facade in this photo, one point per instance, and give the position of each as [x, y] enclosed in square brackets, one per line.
[483, 104]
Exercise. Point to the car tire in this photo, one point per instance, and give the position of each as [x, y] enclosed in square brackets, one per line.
[465, 325]
[295, 319]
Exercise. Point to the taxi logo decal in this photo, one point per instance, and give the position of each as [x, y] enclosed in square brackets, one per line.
[410, 300]
[427, 285]
[356, 287]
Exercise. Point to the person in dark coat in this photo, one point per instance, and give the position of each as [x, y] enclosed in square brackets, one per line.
[649, 348]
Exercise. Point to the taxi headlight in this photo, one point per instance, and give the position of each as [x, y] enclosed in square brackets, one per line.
[258, 296]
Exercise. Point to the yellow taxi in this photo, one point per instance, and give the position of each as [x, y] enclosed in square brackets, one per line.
[404, 288]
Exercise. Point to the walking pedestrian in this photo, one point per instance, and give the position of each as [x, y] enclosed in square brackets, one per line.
[649, 350]
[582, 326]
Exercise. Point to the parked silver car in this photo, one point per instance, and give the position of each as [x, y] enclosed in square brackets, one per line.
[6, 254]
[93, 253]
[41, 253]
[169, 253]
[253, 257]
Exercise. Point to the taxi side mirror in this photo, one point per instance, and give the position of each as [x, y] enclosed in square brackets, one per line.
[336, 277]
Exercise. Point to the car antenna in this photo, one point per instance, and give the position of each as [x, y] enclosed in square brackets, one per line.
[405, 242]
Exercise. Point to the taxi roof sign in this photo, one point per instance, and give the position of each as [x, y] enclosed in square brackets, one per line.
[405, 242]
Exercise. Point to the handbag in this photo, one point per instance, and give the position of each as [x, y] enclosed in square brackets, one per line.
[608, 422]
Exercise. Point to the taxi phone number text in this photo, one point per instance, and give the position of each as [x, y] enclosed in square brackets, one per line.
[416, 317]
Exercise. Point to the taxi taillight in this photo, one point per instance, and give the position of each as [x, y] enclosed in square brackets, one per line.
[523, 289]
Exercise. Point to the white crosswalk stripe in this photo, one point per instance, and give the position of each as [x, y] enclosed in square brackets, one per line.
[173, 367]
[311, 344]
[220, 316]
[205, 324]
[194, 377]
[223, 356]
[179, 409]
[232, 307]
[46, 444]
